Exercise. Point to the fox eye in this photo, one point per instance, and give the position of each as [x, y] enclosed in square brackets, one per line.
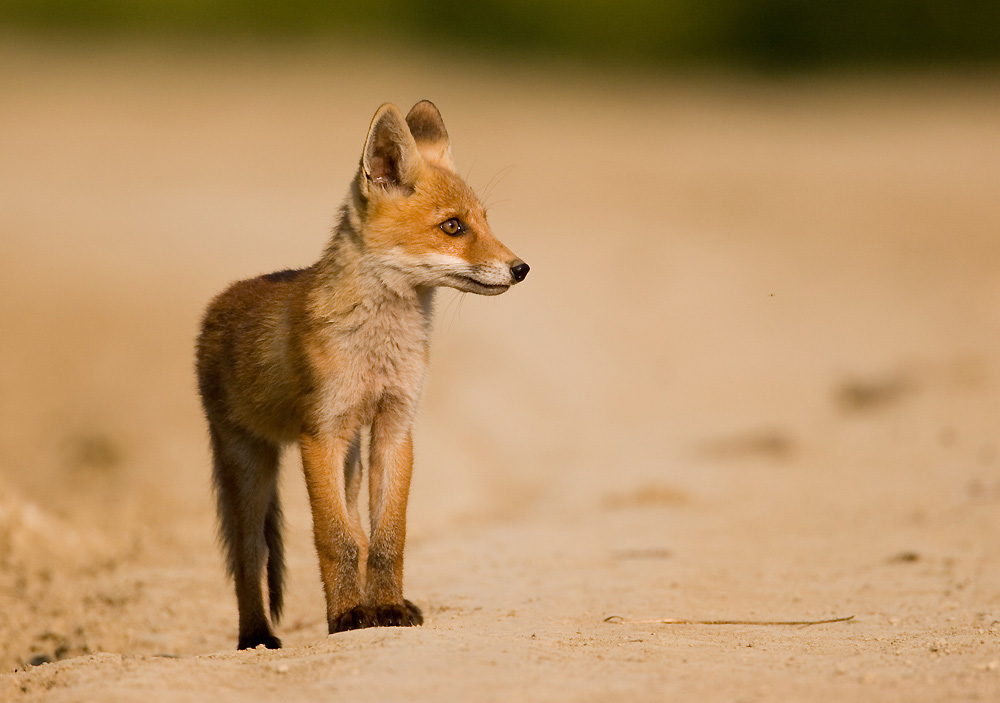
[452, 227]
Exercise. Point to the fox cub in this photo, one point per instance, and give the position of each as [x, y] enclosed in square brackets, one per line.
[317, 355]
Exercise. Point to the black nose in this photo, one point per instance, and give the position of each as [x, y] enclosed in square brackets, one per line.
[519, 271]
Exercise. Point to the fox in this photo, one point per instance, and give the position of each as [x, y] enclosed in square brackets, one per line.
[333, 353]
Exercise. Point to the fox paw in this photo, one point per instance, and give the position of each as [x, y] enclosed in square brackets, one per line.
[354, 619]
[256, 639]
[404, 614]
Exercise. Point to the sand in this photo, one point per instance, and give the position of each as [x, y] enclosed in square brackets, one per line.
[752, 376]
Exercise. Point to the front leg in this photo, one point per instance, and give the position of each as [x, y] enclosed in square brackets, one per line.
[391, 459]
[324, 454]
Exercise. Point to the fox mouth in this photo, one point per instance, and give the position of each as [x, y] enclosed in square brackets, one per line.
[471, 285]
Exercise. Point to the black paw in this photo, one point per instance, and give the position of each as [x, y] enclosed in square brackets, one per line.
[404, 614]
[353, 619]
[262, 637]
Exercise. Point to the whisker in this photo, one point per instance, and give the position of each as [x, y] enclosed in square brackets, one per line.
[496, 180]
[468, 174]
[487, 207]
[458, 308]
[453, 300]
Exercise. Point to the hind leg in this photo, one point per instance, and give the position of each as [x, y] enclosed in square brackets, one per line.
[246, 472]
[352, 484]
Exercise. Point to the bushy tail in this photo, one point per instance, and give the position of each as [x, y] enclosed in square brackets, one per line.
[275, 556]
[246, 485]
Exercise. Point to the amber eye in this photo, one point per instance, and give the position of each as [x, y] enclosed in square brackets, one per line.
[452, 227]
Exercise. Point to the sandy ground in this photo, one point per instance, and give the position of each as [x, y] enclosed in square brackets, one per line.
[753, 375]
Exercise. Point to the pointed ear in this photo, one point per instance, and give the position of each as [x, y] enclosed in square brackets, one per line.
[431, 137]
[390, 157]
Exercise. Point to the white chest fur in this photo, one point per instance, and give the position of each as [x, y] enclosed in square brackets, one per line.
[380, 346]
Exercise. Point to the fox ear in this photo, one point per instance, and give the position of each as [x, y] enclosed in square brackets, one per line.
[390, 157]
[431, 137]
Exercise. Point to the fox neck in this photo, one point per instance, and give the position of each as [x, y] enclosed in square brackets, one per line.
[350, 279]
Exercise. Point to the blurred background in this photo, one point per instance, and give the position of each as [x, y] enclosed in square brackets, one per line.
[761, 333]
[774, 34]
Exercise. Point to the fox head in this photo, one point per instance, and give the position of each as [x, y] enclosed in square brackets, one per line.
[418, 219]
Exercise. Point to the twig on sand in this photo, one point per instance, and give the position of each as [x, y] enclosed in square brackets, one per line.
[619, 620]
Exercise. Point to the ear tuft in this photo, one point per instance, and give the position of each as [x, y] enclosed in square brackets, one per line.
[431, 137]
[390, 157]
